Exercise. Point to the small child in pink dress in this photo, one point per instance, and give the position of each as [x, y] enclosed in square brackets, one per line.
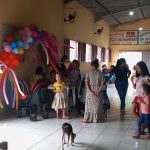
[144, 102]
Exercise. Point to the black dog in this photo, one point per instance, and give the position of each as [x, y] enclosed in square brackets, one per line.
[67, 129]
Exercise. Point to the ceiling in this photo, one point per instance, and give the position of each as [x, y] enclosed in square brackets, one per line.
[117, 11]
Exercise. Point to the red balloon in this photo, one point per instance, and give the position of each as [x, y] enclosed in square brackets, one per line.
[32, 27]
[15, 62]
[9, 38]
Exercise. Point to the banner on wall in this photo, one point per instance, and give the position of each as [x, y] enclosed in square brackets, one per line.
[144, 37]
[124, 37]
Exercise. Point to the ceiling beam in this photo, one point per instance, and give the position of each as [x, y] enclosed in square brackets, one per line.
[99, 17]
[115, 19]
[141, 9]
[100, 4]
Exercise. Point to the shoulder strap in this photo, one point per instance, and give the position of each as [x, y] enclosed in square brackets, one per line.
[39, 85]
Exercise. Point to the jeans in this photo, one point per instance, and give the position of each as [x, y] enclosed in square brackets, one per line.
[122, 87]
[144, 118]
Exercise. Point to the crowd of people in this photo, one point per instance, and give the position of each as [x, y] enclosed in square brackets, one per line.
[69, 88]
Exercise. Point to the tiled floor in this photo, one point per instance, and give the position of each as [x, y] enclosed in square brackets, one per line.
[114, 134]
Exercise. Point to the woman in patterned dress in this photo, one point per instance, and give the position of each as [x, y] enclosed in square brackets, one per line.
[93, 106]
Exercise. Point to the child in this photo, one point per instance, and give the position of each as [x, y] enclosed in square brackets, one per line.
[105, 71]
[106, 103]
[60, 100]
[144, 102]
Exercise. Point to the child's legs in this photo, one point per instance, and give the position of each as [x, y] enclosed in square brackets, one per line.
[147, 121]
[58, 112]
[140, 122]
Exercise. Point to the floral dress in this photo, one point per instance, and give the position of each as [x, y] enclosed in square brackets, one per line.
[93, 104]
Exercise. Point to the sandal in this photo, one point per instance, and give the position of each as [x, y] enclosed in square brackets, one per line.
[83, 121]
[136, 135]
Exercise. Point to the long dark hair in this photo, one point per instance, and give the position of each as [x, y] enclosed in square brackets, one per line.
[144, 70]
[120, 61]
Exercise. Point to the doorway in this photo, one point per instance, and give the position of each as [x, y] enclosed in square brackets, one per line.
[131, 57]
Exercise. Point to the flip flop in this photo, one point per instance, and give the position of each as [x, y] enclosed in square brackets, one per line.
[83, 121]
[136, 135]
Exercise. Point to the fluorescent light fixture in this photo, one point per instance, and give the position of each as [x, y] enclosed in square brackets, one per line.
[131, 13]
[140, 28]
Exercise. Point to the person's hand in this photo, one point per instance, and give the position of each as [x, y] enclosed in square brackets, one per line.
[97, 93]
[92, 93]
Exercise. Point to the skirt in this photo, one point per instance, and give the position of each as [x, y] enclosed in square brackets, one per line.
[59, 101]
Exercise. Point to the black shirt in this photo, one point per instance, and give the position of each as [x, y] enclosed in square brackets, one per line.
[62, 69]
[122, 74]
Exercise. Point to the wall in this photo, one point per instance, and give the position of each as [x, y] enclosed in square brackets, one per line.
[47, 14]
[134, 26]
[84, 27]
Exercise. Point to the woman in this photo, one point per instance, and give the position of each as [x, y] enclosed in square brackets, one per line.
[93, 106]
[122, 74]
[61, 67]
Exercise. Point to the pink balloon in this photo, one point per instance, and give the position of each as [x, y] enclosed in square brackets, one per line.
[28, 33]
[24, 38]
[21, 32]
[35, 34]
[7, 48]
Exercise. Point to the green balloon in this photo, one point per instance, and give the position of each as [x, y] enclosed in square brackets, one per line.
[18, 37]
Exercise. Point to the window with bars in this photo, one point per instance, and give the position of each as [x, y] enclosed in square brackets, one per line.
[88, 56]
[74, 50]
[99, 56]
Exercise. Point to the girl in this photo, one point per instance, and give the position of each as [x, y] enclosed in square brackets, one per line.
[144, 102]
[60, 100]
[141, 76]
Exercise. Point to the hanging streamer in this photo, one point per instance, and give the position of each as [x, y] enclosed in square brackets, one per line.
[47, 56]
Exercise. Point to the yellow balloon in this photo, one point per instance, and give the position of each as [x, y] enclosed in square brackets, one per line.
[21, 50]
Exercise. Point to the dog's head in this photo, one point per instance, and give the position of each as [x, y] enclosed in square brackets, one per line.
[73, 137]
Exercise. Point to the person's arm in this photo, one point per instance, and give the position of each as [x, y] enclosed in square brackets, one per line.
[129, 73]
[101, 84]
[132, 80]
[87, 84]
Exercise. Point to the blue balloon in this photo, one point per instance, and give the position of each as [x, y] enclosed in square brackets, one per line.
[33, 40]
[20, 44]
[13, 45]
[15, 50]
[42, 35]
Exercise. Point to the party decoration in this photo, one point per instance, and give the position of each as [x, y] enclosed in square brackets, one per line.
[7, 48]
[9, 39]
[9, 72]
[14, 46]
[18, 37]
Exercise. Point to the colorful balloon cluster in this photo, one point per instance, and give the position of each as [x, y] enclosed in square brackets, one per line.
[22, 39]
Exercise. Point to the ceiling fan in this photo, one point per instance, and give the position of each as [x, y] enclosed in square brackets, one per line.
[99, 31]
[71, 17]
